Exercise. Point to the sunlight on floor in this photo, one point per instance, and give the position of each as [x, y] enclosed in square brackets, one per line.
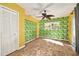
[53, 41]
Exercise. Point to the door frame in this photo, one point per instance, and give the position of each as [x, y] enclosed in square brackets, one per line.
[73, 32]
[77, 26]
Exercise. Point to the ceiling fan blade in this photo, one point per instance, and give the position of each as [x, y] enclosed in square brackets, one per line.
[38, 16]
[45, 7]
[50, 15]
[42, 18]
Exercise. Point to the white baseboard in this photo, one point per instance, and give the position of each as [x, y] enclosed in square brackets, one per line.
[30, 40]
[21, 47]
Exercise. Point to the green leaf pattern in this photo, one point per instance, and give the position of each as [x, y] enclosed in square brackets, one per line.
[62, 33]
[30, 30]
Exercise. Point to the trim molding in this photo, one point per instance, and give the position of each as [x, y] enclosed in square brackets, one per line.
[21, 47]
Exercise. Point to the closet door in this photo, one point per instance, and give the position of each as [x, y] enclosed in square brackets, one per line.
[14, 30]
[9, 31]
[5, 32]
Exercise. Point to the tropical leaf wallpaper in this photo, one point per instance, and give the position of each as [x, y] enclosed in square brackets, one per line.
[60, 34]
[30, 30]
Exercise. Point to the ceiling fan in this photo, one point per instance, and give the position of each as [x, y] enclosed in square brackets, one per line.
[44, 15]
[42, 10]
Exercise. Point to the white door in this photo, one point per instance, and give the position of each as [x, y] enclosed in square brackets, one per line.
[0, 30]
[9, 31]
[73, 33]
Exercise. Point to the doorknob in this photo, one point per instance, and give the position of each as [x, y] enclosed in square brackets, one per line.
[14, 33]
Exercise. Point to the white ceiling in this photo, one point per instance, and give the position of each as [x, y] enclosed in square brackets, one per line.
[57, 9]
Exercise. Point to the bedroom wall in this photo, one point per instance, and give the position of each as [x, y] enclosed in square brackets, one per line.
[30, 30]
[60, 34]
[70, 27]
[34, 20]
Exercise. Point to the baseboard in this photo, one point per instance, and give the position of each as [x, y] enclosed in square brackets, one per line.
[32, 40]
[21, 47]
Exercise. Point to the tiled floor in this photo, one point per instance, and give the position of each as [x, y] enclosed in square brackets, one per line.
[40, 47]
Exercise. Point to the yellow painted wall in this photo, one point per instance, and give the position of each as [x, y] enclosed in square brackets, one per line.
[70, 27]
[22, 16]
[37, 29]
